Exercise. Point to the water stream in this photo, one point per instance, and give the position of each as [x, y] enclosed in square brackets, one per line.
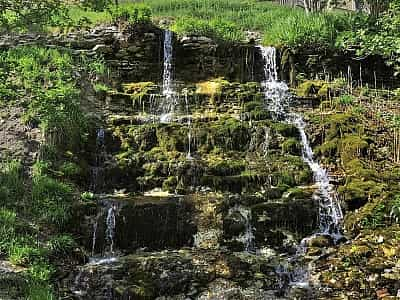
[247, 237]
[168, 92]
[97, 171]
[278, 99]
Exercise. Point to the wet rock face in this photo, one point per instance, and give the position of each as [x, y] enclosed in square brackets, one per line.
[156, 226]
[275, 222]
[149, 223]
[199, 275]
[200, 58]
[12, 280]
[319, 64]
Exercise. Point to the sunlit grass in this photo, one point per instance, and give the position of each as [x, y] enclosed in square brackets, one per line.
[229, 19]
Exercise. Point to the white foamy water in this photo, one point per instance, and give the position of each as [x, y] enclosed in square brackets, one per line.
[247, 237]
[110, 230]
[170, 97]
[278, 99]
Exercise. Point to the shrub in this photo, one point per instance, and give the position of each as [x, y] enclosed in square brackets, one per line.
[7, 229]
[301, 30]
[51, 200]
[215, 28]
[61, 245]
[11, 183]
[40, 272]
[137, 14]
[88, 196]
[70, 169]
[39, 291]
[24, 255]
[395, 210]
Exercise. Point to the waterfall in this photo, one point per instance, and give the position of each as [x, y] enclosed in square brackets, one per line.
[170, 97]
[97, 170]
[110, 230]
[104, 230]
[94, 235]
[278, 95]
[330, 214]
[247, 237]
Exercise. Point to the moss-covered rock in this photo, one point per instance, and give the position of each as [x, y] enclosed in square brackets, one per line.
[272, 219]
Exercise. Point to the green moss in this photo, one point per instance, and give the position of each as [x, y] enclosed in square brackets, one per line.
[286, 130]
[291, 146]
[340, 124]
[309, 88]
[226, 167]
[352, 146]
[357, 192]
[252, 105]
[212, 89]
[170, 184]
[138, 91]
[172, 137]
[329, 148]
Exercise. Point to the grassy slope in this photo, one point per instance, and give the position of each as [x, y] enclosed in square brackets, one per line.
[229, 19]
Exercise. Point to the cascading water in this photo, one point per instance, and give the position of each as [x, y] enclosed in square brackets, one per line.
[330, 214]
[98, 170]
[278, 95]
[247, 237]
[106, 216]
[110, 230]
[170, 97]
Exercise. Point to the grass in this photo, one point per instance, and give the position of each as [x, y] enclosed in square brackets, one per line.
[45, 82]
[229, 19]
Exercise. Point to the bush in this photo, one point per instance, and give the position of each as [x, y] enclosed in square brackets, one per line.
[40, 272]
[7, 229]
[215, 28]
[45, 78]
[11, 183]
[301, 30]
[39, 291]
[24, 255]
[61, 245]
[137, 14]
[395, 210]
[51, 200]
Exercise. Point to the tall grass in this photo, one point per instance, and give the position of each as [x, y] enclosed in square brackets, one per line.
[11, 183]
[229, 19]
[300, 30]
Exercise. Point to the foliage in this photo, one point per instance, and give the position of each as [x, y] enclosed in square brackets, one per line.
[376, 36]
[45, 79]
[132, 14]
[31, 15]
[7, 229]
[51, 200]
[11, 183]
[24, 255]
[376, 218]
[395, 210]
[61, 245]
[39, 291]
[96, 5]
[300, 30]
[87, 196]
[215, 28]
